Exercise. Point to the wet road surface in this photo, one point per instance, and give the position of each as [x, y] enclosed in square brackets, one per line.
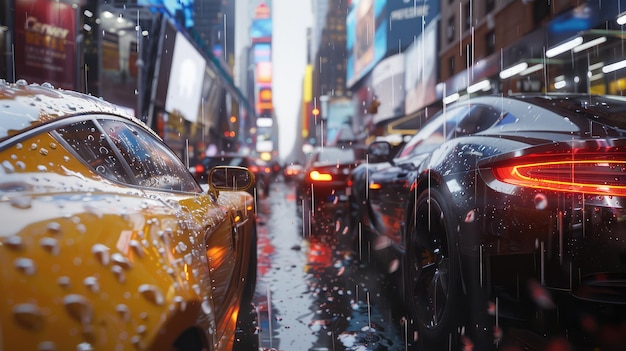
[312, 293]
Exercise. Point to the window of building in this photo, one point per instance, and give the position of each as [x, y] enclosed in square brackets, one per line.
[490, 5]
[469, 55]
[451, 65]
[450, 29]
[490, 42]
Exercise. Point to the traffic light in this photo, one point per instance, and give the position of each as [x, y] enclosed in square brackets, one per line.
[315, 111]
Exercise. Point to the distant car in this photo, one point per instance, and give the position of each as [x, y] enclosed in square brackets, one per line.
[262, 171]
[324, 189]
[501, 212]
[107, 241]
[293, 172]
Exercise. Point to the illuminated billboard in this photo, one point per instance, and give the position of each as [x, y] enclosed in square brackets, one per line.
[262, 52]
[45, 49]
[366, 38]
[421, 66]
[261, 27]
[406, 21]
[173, 8]
[185, 80]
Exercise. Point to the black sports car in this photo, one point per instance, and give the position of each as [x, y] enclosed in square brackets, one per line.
[504, 212]
[322, 190]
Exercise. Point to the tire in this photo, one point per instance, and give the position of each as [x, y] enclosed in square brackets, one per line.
[432, 275]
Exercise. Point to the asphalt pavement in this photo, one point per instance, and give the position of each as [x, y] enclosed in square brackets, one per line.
[313, 293]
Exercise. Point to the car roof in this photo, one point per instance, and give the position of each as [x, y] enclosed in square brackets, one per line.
[25, 106]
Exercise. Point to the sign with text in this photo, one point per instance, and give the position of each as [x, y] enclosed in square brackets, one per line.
[45, 44]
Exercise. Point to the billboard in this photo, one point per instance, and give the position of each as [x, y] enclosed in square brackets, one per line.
[261, 27]
[45, 49]
[262, 52]
[366, 38]
[407, 20]
[173, 7]
[420, 67]
[185, 79]
[388, 86]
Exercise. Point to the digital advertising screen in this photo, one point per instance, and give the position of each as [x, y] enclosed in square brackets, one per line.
[366, 38]
[186, 79]
[45, 49]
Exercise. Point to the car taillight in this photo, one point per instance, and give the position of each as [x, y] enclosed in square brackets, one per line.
[253, 169]
[320, 177]
[199, 169]
[590, 173]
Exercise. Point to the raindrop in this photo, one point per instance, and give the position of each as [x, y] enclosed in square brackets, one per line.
[25, 265]
[44, 151]
[123, 311]
[79, 308]
[54, 227]
[470, 216]
[64, 282]
[28, 316]
[136, 247]
[152, 294]
[206, 306]
[84, 346]
[92, 284]
[14, 242]
[180, 303]
[51, 245]
[119, 274]
[21, 203]
[142, 329]
[121, 260]
[46, 346]
[8, 167]
[136, 341]
[394, 265]
[541, 201]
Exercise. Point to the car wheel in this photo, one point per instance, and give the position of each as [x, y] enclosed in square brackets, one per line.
[432, 274]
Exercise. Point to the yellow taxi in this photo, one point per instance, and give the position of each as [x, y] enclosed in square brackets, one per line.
[106, 240]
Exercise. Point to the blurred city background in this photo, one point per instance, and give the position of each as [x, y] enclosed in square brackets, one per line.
[202, 73]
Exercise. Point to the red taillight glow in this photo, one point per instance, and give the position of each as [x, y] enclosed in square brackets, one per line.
[590, 176]
[199, 169]
[320, 177]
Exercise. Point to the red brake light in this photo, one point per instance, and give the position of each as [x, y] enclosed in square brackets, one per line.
[589, 173]
[253, 169]
[320, 177]
[199, 169]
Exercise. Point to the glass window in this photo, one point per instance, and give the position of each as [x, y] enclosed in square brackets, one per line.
[153, 164]
[434, 133]
[94, 148]
[335, 155]
[479, 118]
[450, 29]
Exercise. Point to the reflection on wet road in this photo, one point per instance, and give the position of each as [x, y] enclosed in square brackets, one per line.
[312, 294]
